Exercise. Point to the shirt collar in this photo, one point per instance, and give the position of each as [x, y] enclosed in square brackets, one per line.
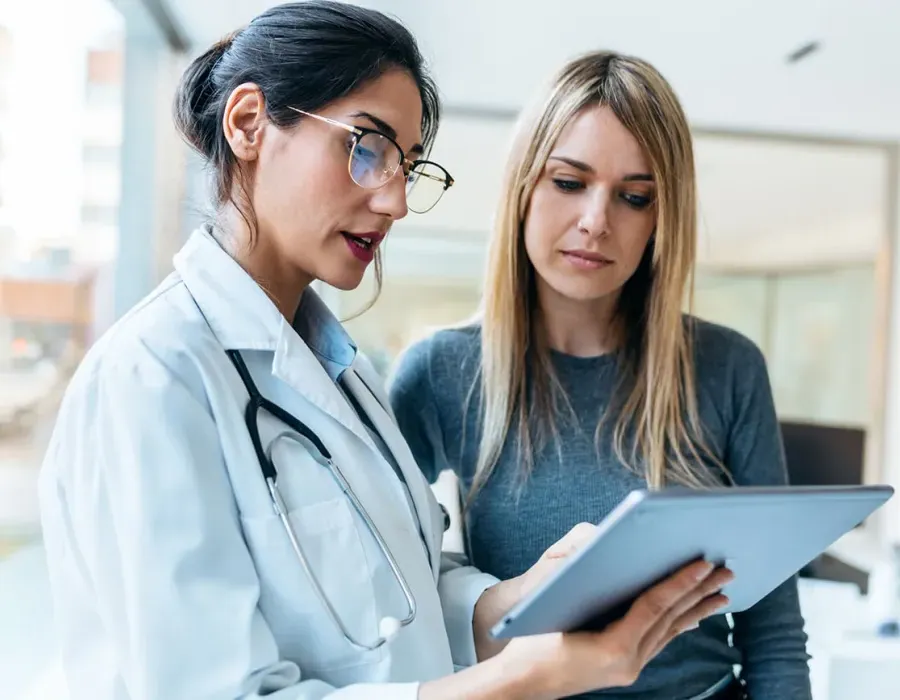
[324, 334]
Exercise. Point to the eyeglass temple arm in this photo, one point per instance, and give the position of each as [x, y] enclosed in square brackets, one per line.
[345, 127]
[446, 181]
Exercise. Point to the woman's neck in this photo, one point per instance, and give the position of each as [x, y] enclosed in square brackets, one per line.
[280, 280]
[575, 327]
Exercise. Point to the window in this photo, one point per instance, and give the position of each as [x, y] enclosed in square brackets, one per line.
[105, 68]
[5, 66]
[99, 214]
[96, 154]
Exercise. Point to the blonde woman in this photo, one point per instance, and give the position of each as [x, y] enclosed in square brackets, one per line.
[583, 379]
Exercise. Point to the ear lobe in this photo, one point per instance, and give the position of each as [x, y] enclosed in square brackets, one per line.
[242, 121]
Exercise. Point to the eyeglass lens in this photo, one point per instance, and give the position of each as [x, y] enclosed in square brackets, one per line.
[375, 159]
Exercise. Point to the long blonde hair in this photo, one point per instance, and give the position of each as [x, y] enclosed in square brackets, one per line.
[657, 403]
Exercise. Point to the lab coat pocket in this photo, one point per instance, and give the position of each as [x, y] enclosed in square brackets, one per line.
[328, 536]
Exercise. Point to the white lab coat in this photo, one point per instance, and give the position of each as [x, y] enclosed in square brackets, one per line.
[171, 575]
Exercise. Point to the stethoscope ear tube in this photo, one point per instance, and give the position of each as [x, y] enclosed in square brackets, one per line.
[300, 433]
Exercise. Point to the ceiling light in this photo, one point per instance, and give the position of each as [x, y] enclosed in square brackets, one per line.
[803, 52]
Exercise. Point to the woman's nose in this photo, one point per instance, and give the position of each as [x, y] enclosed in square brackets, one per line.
[390, 198]
[594, 220]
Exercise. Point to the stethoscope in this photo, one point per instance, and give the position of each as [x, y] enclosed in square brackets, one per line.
[298, 432]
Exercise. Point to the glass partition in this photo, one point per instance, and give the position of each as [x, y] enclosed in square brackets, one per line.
[816, 329]
[59, 196]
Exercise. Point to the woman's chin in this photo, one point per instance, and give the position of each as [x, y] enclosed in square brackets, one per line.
[346, 281]
[580, 290]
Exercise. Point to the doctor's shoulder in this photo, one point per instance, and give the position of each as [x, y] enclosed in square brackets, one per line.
[163, 334]
[140, 385]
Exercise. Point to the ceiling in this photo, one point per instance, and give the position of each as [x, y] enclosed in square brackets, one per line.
[727, 60]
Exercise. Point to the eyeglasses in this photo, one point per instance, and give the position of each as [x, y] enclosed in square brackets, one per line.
[375, 158]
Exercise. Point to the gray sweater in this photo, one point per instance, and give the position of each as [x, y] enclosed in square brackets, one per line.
[508, 528]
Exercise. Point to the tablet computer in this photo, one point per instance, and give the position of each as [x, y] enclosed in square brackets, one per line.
[764, 535]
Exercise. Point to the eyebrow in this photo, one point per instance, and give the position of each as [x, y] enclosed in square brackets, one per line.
[385, 128]
[586, 168]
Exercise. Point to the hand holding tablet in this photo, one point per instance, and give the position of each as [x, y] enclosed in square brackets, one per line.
[763, 535]
[560, 664]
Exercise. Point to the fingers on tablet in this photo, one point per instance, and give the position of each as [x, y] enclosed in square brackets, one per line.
[681, 600]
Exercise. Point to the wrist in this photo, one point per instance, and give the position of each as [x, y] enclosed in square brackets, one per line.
[499, 598]
[526, 678]
[491, 606]
[498, 678]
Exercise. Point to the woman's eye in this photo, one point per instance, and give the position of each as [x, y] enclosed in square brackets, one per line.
[638, 201]
[567, 185]
[365, 154]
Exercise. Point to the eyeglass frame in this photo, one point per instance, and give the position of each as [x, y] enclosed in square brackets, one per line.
[360, 131]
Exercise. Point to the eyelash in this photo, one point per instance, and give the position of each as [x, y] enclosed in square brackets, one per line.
[635, 201]
[567, 185]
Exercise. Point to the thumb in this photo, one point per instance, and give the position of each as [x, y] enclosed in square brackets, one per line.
[572, 541]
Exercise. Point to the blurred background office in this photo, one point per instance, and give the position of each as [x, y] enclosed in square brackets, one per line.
[796, 115]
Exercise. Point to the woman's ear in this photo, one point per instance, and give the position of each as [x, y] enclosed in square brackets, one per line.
[242, 122]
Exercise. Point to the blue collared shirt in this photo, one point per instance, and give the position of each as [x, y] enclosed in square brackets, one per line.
[327, 339]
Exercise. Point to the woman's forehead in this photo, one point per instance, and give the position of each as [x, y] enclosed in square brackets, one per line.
[391, 103]
[596, 137]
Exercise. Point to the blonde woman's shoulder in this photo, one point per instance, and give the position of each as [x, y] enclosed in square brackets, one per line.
[721, 344]
[441, 355]
[439, 342]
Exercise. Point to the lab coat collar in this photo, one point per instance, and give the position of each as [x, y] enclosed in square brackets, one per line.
[238, 311]
[242, 317]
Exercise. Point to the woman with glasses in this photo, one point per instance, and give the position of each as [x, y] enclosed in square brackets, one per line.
[229, 510]
[582, 379]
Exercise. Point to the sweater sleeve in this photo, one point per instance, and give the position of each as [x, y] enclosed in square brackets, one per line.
[770, 635]
[415, 408]
[413, 401]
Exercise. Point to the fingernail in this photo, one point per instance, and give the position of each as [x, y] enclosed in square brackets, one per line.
[705, 570]
[727, 577]
[692, 627]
